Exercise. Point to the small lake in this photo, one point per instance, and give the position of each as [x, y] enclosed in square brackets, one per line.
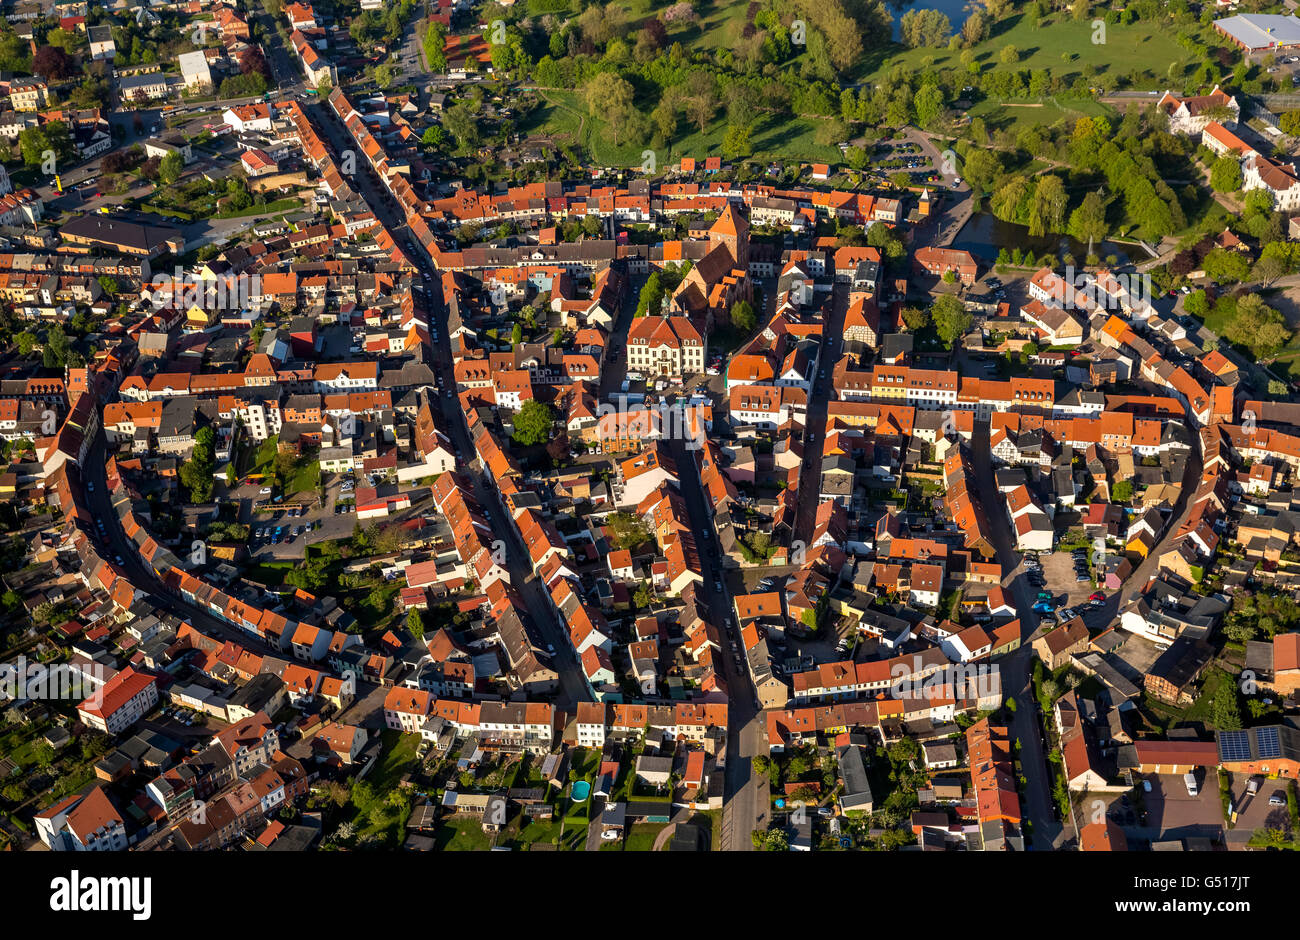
[957, 10]
[984, 235]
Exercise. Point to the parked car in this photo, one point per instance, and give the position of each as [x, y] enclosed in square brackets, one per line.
[1277, 799]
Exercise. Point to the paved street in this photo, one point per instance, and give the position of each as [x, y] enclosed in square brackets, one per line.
[741, 804]
[815, 424]
[1016, 668]
[541, 610]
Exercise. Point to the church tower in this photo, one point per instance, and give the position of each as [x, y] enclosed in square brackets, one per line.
[732, 230]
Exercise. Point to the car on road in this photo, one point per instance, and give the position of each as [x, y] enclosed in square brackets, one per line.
[717, 585]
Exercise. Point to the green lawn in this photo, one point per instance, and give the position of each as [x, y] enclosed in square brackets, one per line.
[1038, 112]
[306, 475]
[774, 137]
[1200, 710]
[462, 834]
[396, 758]
[1149, 48]
[270, 573]
[265, 455]
[279, 205]
[641, 837]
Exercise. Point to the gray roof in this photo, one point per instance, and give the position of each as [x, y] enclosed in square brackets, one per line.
[857, 789]
[1258, 30]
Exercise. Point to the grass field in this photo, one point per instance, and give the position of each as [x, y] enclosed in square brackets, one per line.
[396, 758]
[462, 834]
[1040, 112]
[1147, 53]
[564, 116]
[1148, 48]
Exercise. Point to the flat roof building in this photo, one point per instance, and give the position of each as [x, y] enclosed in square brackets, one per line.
[1257, 32]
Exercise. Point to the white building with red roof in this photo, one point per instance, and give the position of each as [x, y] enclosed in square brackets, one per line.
[665, 346]
[84, 822]
[124, 700]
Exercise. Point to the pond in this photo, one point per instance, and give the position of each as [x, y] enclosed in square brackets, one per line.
[957, 10]
[984, 235]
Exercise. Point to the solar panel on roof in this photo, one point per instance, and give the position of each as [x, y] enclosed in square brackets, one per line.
[1269, 742]
[1234, 745]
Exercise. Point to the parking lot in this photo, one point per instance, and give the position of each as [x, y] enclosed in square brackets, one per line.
[1057, 584]
[1254, 811]
[1172, 814]
[299, 517]
[1284, 67]
[906, 156]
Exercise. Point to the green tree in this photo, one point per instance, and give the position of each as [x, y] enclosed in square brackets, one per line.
[170, 167]
[196, 473]
[1047, 208]
[434, 39]
[1225, 710]
[610, 97]
[1225, 175]
[1088, 222]
[928, 104]
[743, 317]
[951, 321]
[1197, 304]
[652, 295]
[626, 530]
[533, 423]
[916, 318]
